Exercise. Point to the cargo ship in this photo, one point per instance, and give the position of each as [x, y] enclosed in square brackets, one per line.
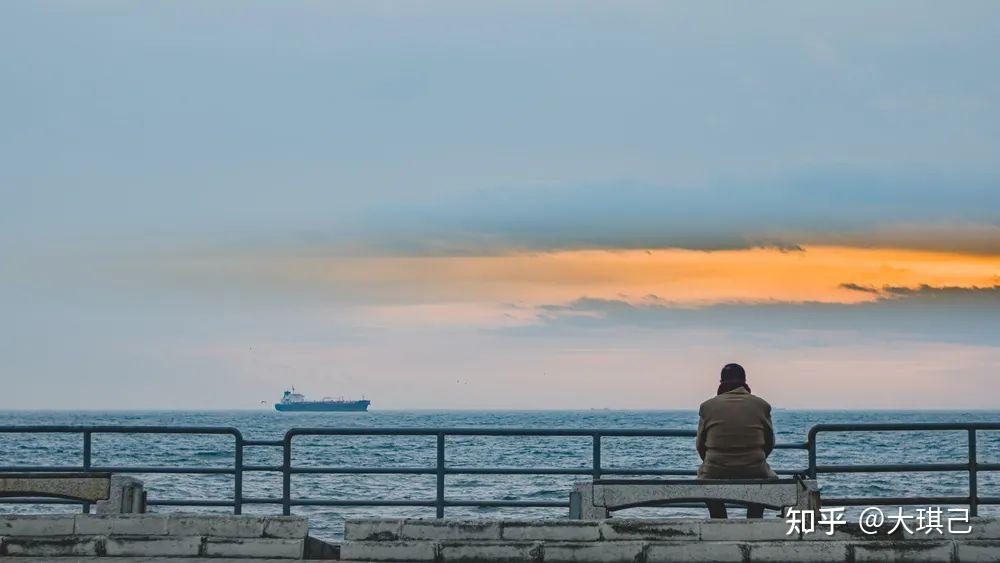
[296, 402]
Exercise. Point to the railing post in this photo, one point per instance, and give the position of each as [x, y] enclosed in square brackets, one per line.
[238, 477]
[597, 456]
[86, 462]
[973, 478]
[439, 501]
[286, 477]
[812, 452]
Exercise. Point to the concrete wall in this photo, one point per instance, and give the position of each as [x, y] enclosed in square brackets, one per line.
[648, 541]
[153, 535]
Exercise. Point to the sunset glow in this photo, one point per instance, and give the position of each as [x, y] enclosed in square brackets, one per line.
[675, 276]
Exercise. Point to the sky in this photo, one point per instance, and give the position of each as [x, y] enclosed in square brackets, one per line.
[506, 205]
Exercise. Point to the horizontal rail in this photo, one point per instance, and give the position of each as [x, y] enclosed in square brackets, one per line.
[904, 427]
[114, 469]
[893, 468]
[466, 431]
[34, 500]
[254, 500]
[73, 429]
[189, 502]
[275, 443]
[901, 501]
[491, 471]
[382, 502]
[792, 446]
[41, 468]
[365, 470]
[168, 470]
[264, 468]
[509, 503]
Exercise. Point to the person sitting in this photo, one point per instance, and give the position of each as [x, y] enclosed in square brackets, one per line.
[735, 436]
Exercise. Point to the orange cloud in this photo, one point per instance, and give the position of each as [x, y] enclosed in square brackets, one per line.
[681, 277]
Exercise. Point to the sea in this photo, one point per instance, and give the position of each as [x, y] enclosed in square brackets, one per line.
[792, 426]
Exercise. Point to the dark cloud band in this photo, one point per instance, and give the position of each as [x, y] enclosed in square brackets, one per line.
[968, 315]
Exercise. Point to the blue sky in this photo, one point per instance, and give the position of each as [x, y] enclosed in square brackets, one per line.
[362, 197]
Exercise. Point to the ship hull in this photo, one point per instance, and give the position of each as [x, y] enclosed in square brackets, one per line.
[318, 406]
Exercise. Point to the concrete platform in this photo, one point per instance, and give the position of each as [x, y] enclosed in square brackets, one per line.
[650, 541]
[139, 560]
[150, 536]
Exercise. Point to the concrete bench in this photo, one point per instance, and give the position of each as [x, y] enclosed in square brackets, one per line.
[113, 494]
[598, 498]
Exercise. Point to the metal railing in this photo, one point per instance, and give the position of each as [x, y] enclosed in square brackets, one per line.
[88, 432]
[441, 469]
[971, 465]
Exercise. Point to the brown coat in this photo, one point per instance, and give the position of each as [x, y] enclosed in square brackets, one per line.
[735, 436]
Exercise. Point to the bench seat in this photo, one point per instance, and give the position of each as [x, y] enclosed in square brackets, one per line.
[597, 499]
[112, 494]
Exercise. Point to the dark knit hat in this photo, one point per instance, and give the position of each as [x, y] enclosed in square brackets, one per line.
[733, 372]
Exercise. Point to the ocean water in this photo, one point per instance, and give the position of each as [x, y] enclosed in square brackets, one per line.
[375, 451]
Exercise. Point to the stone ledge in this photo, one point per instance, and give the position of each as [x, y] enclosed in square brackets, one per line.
[160, 546]
[649, 541]
[623, 529]
[596, 552]
[551, 530]
[450, 529]
[814, 552]
[254, 547]
[108, 559]
[498, 552]
[153, 546]
[178, 525]
[53, 546]
[628, 529]
[153, 535]
[37, 525]
[229, 526]
[290, 527]
[388, 550]
[978, 550]
[374, 529]
[907, 551]
[745, 530]
[716, 552]
[124, 525]
[656, 552]
[142, 560]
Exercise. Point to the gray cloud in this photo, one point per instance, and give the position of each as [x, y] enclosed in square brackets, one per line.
[969, 315]
[858, 287]
[924, 293]
[828, 206]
